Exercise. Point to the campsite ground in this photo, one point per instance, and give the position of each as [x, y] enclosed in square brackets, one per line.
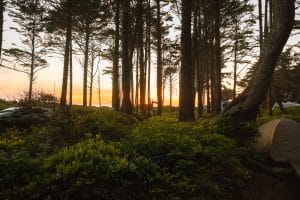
[279, 187]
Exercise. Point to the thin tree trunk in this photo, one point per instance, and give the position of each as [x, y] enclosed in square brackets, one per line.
[171, 91]
[31, 75]
[64, 88]
[91, 76]
[71, 73]
[85, 66]
[142, 81]
[186, 109]
[99, 89]
[260, 21]
[2, 8]
[235, 61]
[137, 81]
[218, 66]
[200, 71]
[149, 56]
[159, 60]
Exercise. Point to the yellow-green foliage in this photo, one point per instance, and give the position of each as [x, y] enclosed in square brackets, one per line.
[159, 158]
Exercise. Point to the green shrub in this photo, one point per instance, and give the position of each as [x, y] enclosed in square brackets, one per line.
[77, 124]
[160, 159]
[195, 165]
[17, 167]
[94, 170]
[243, 132]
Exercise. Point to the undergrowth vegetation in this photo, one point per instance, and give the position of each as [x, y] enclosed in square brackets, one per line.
[88, 153]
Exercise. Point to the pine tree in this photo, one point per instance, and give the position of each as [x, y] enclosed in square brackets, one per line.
[93, 16]
[60, 22]
[28, 15]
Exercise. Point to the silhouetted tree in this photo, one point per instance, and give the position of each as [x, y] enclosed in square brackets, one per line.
[186, 109]
[245, 106]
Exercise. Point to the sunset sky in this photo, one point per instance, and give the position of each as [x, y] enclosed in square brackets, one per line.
[13, 84]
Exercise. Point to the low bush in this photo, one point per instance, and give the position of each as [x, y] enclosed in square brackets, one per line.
[159, 159]
[204, 166]
[69, 127]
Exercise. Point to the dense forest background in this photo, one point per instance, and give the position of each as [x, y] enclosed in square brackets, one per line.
[239, 50]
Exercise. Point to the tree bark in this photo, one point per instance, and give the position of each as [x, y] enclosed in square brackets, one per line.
[171, 90]
[142, 78]
[115, 84]
[99, 89]
[71, 73]
[2, 8]
[149, 55]
[137, 81]
[85, 66]
[186, 109]
[218, 64]
[31, 75]
[63, 99]
[261, 37]
[235, 60]
[245, 106]
[159, 60]
[126, 64]
[92, 75]
[200, 71]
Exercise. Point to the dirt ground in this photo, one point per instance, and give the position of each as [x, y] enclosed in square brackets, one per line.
[274, 187]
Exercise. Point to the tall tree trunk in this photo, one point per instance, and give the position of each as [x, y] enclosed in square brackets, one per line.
[186, 109]
[200, 71]
[91, 75]
[115, 84]
[137, 82]
[99, 88]
[235, 60]
[266, 31]
[86, 64]
[71, 73]
[245, 106]
[126, 64]
[31, 75]
[159, 59]
[142, 78]
[218, 65]
[149, 55]
[171, 91]
[195, 46]
[2, 8]
[63, 99]
[260, 21]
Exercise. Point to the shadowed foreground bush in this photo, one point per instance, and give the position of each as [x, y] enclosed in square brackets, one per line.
[161, 159]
